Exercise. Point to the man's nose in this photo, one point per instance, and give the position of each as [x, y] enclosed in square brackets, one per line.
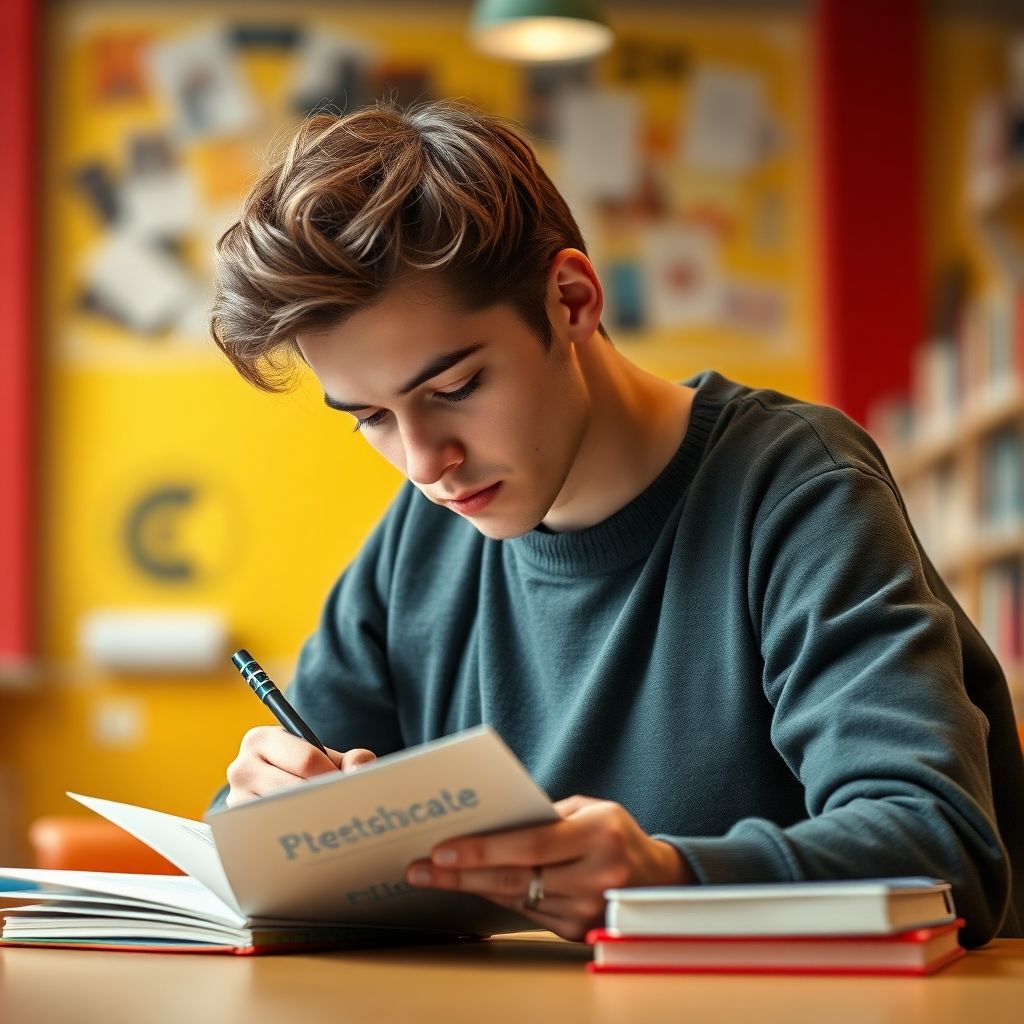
[429, 454]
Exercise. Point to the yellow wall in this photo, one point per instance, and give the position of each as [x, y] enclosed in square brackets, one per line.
[291, 491]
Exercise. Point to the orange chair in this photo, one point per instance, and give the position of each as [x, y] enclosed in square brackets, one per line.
[65, 842]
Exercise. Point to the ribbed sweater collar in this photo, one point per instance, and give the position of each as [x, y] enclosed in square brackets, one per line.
[627, 535]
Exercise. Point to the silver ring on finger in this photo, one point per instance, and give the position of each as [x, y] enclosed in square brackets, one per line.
[535, 892]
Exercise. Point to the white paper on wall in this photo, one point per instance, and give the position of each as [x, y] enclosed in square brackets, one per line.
[685, 284]
[600, 129]
[164, 204]
[137, 281]
[331, 68]
[199, 77]
[725, 125]
[753, 307]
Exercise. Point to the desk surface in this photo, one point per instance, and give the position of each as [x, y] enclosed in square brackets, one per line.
[527, 978]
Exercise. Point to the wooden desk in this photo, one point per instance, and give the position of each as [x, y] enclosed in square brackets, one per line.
[526, 980]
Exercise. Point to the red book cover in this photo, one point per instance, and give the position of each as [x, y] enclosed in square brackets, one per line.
[916, 952]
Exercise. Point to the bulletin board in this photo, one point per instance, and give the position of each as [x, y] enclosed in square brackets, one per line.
[683, 153]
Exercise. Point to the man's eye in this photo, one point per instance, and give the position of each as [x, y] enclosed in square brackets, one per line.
[462, 393]
[372, 420]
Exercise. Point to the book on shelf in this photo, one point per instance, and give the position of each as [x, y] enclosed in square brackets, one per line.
[992, 345]
[916, 951]
[882, 906]
[319, 864]
[1001, 611]
[1002, 482]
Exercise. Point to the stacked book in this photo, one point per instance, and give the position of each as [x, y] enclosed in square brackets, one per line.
[876, 926]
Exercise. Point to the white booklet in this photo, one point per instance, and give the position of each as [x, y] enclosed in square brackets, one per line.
[327, 854]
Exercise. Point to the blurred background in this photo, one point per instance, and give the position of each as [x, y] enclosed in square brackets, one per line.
[824, 198]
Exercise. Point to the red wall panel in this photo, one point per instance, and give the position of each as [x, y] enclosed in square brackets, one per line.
[869, 70]
[18, 69]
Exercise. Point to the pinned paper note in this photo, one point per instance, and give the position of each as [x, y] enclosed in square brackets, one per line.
[544, 85]
[159, 204]
[331, 71]
[600, 130]
[753, 307]
[199, 78]
[115, 66]
[96, 183]
[725, 123]
[627, 302]
[138, 282]
[684, 278]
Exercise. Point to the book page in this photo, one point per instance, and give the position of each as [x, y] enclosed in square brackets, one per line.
[336, 848]
[44, 915]
[177, 891]
[187, 844]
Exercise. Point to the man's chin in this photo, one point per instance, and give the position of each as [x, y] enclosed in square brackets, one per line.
[497, 529]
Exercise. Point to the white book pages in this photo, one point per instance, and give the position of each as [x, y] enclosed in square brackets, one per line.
[92, 930]
[187, 844]
[83, 903]
[56, 915]
[177, 891]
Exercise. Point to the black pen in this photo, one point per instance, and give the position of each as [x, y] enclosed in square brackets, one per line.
[267, 692]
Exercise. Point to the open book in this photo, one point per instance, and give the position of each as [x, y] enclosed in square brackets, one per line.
[320, 864]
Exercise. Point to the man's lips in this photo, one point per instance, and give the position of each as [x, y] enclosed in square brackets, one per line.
[468, 494]
[473, 501]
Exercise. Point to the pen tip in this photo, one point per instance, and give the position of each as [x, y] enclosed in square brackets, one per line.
[241, 658]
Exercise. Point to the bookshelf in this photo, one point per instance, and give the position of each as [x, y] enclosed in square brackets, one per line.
[956, 446]
[956, 443]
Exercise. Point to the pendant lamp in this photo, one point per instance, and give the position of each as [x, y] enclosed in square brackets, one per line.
[558, 31]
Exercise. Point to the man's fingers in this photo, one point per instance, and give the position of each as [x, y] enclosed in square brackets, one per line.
[512, 882]
[525, 847]
[271, 759]
[257, 777]
[353, 758]
[273, 745]
[572, 805]
[565, 908]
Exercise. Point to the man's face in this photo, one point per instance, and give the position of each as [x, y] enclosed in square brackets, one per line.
[471, 407]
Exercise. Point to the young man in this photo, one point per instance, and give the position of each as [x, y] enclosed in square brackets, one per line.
[700, 605]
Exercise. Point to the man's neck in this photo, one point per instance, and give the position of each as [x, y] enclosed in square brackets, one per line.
[636, 423]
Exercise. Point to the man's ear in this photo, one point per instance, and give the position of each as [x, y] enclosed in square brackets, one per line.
[575, 299]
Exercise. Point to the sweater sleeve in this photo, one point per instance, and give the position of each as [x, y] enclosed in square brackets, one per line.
[862, 670]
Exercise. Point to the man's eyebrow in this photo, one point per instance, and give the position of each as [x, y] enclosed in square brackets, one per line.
[438, 365]
[333, 403]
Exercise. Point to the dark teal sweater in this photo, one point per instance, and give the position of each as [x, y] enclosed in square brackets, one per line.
[754, 657]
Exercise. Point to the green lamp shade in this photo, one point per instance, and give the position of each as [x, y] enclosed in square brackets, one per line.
[532, 30]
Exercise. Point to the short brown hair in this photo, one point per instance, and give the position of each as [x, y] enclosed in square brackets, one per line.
[358, 200]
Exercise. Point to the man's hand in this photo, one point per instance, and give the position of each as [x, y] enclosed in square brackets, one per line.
[271, 759]
[596, 846]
